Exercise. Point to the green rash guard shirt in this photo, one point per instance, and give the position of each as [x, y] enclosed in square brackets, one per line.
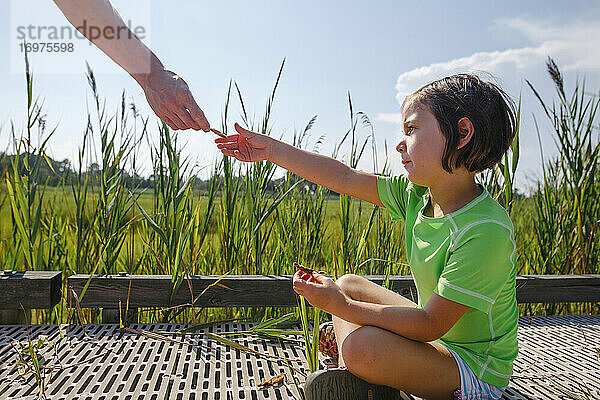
[467, 256]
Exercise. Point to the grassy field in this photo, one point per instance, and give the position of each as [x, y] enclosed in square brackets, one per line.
[100, 223]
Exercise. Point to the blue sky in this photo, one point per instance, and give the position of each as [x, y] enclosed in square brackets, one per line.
[378, 50]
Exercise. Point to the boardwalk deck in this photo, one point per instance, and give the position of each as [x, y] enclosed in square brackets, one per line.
[559, 358]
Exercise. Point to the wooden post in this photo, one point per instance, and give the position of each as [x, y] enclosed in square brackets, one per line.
[22, 291]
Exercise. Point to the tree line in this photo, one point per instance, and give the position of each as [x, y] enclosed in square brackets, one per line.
[56, 173]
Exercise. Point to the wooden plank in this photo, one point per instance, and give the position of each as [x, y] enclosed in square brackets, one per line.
[558, 288]
[276, 291]
[154, 291]
[32, 289]
[15, 317]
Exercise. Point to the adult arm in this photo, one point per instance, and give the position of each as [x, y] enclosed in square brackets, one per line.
[166, 92]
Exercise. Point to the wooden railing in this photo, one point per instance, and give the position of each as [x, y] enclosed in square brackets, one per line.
[42, 290]
[276, 290]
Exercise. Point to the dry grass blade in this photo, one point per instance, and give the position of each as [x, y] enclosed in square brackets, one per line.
[269, 334]
[276, 380]
[194, 328]
[307, 270]
[238, 346]
[80, 313]
[295, 380]
[213, 130]
[222, 340]
[63, 367]
[157, 336]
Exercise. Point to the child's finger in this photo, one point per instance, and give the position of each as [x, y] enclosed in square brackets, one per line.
[228, 146]
[228, 139]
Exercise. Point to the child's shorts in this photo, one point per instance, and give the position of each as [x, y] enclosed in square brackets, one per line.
[472, 387]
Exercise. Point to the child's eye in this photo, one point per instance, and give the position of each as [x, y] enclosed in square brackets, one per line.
[409, 130]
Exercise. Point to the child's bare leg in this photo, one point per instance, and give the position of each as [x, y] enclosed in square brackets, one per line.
[383, 357]
[379, 356]
[342, 329]
[362, 289]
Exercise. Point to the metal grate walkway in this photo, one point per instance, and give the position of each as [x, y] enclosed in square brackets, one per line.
[108, 365]
[558, 359]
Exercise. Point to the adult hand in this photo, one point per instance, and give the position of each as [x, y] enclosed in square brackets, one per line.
[167, 94]
[246, 146]
[170, 98]
[320, 291]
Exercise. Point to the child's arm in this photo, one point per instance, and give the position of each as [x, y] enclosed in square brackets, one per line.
[317, 168]
[423, 324]
[326, 171]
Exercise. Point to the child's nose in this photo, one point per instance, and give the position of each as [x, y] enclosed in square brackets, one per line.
[401, 148]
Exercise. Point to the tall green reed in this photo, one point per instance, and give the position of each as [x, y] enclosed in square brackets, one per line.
[258, 177]
[25, 187]
[350, 209]
[300, 219]
[172, 220]
[566, 202]
[115, 198]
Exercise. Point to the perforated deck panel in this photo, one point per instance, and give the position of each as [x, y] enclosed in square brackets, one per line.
[130, 366]
[558, 358]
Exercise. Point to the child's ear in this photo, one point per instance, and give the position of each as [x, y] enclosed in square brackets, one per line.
[465, 130]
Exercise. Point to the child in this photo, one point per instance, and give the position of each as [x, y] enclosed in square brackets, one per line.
[460, 340]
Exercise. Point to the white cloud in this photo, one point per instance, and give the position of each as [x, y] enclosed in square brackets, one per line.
[574, 45]
[492, 62]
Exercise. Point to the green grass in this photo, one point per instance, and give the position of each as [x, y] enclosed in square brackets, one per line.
[238, 226]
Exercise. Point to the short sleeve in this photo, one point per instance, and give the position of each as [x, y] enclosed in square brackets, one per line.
[478, 266]
[393, 194]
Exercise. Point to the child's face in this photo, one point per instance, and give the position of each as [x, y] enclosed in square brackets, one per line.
[421, 145]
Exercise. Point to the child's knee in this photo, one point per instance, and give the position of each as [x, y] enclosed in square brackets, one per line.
[360, 350]
[349, 284]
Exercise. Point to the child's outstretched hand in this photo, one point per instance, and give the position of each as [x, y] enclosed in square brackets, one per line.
[246, 146]
[320, 291]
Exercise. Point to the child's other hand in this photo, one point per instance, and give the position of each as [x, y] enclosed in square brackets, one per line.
[320, 291]
[246, 146]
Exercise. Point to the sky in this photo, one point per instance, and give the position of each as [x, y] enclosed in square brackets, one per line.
[378, 51]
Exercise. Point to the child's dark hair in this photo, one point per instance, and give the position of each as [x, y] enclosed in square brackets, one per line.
[489, 108]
